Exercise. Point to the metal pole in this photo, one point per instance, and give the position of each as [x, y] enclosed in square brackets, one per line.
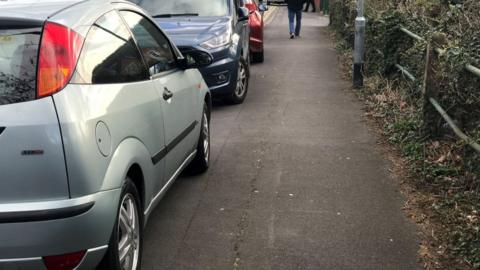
[359, 50]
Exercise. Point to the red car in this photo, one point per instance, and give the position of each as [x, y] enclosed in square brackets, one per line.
[255, 20]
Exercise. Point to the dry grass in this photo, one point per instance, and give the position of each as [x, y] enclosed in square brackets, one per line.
[388, 103]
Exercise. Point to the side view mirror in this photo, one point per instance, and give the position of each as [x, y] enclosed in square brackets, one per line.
[195, 59]
[262, 7]
[243, 14]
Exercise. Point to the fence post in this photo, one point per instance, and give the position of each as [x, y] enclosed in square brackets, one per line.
[430, 115]
[359, 47]
[330, 15]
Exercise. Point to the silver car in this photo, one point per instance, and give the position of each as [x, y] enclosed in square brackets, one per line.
[99, 114]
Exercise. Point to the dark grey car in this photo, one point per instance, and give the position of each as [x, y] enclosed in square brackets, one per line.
[219, 27]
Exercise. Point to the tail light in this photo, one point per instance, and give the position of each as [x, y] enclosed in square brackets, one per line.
[64, 262]
[59, 51]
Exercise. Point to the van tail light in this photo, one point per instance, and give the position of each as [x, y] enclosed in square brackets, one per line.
[59, 51]
[64, 262]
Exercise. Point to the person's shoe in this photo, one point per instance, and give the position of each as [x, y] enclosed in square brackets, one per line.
[305, 10]
[297, 36]
[314, 10]
[292, 36]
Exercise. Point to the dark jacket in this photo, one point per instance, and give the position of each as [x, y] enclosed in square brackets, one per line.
[296, 4]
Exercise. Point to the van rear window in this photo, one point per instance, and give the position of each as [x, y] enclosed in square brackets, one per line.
[18, 63]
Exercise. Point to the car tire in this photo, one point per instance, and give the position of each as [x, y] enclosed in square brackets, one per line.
[201, 162]
[128, 208]
[241, 88]
[257, 57]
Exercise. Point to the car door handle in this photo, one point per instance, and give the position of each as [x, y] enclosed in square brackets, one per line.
[167, 94]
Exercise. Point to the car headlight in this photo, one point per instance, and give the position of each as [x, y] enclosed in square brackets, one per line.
[218, 41]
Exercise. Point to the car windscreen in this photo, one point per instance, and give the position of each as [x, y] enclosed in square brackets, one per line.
[169, 8]
[18, 62]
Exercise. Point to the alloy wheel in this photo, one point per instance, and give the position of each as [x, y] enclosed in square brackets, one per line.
[128, 234]
[241, 80]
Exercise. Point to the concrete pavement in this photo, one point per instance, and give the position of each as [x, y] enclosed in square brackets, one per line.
[296, 181]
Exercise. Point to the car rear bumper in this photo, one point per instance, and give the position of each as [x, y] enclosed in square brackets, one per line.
[24, 241]
[90, 261]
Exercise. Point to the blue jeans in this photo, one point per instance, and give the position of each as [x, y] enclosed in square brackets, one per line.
[291, 17]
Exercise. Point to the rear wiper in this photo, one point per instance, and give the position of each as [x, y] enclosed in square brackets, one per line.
[26, 33]
[174, 15]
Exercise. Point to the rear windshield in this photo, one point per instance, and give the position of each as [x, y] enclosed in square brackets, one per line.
[18, 63]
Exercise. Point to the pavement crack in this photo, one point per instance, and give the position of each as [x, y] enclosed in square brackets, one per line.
[242, 224]
[241, 227]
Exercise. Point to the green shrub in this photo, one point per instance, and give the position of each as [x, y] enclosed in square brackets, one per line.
[449, 168]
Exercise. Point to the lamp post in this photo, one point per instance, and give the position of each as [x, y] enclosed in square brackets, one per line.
[359, 49]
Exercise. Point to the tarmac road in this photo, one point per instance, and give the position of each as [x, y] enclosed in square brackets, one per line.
[296, 181]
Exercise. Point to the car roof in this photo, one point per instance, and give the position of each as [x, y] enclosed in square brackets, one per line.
[78, 15]
[34, 9]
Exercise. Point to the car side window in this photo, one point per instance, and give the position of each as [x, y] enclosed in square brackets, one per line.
[109, 54]
[154, 46]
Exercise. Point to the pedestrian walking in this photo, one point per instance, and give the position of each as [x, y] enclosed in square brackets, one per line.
[295, 8]
[310, 2]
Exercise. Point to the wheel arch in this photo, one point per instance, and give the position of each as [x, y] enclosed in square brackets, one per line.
[135, 174]
[208, 102]
[130, 159]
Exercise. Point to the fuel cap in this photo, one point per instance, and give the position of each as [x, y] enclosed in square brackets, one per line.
[103, 139]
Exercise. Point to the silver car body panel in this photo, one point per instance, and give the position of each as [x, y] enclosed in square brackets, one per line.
[132, 113]
[82, 16]
[89, 262]
[32, 165]
[140, 127]
[180, 115]
[37, 9]
[167, 185]
[60, 236]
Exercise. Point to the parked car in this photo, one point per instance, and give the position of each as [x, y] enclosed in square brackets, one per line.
[255, 19]
[219, 27]
[93, 133]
